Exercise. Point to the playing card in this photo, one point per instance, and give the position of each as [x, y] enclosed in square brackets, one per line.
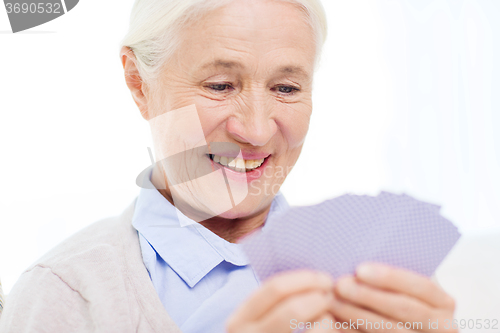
[415, 238]
[338, 234]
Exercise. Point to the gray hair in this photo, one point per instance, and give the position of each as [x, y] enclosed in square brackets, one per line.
[156, 24]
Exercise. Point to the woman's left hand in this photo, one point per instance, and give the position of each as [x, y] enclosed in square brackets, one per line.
[388, 296]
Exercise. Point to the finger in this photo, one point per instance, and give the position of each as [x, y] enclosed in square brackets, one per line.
[393, 305]
[355, 318]
[349, 330]
[404, 281]
[343, 327]
[280, 287]
[326, 323]
[293, 311]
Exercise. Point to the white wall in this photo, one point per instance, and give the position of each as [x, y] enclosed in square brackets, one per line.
[407, 99]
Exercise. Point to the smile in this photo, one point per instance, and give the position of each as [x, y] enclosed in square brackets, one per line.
[237, 164]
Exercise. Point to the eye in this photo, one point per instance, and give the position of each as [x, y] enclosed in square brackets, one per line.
[287, 90]
[219, 86]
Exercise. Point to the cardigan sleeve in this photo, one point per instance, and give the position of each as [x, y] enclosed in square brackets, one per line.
[42, 302]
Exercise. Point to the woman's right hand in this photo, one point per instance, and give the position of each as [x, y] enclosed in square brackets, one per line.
[286, 302]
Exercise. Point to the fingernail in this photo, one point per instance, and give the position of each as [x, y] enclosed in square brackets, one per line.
[348, 289]
[368, 271]
[326, 279]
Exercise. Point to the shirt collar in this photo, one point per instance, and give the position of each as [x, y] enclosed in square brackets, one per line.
[191, 250]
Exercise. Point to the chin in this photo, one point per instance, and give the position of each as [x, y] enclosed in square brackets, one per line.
[252, 205]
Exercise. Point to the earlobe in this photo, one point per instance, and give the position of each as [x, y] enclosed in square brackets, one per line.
[134, 80]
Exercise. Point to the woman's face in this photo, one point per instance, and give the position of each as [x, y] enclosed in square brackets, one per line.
[245, 70]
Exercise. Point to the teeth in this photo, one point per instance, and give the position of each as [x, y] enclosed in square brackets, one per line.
[253, 164]
[238, 164]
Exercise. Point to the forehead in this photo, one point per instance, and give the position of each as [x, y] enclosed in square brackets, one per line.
[249, 34]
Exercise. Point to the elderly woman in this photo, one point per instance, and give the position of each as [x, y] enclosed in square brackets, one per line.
[226, 87]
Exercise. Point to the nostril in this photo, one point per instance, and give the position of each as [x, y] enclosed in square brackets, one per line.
[254, 131]
[239, 137]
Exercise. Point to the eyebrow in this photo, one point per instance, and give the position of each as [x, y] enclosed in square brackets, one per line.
[297, 70]
[222, 63]
[229, 64]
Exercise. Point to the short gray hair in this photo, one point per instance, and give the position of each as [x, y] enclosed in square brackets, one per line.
[155, 25]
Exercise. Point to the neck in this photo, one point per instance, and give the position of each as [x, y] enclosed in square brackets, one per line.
[229, 229]
[234, 229]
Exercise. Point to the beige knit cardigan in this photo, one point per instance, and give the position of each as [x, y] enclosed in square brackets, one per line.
[95, 281]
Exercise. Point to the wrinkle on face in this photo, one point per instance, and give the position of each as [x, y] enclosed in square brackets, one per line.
[255, 47]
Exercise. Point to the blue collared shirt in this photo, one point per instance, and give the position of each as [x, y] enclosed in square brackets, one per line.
[200, 277]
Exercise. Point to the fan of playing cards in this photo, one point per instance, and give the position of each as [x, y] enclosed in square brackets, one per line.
[337, 235]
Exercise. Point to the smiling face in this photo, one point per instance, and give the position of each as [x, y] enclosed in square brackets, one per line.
[246, 70]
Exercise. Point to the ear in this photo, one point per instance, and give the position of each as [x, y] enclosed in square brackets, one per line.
[134, 81]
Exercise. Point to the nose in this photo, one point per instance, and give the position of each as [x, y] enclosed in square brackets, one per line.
[253, 123]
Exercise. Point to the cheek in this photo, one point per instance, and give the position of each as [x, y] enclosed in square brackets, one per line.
[212, 114]
[294, 125]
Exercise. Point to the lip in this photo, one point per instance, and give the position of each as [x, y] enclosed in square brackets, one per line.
[253, 155]
[246, 155]
[232, 150]
[242, 176]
